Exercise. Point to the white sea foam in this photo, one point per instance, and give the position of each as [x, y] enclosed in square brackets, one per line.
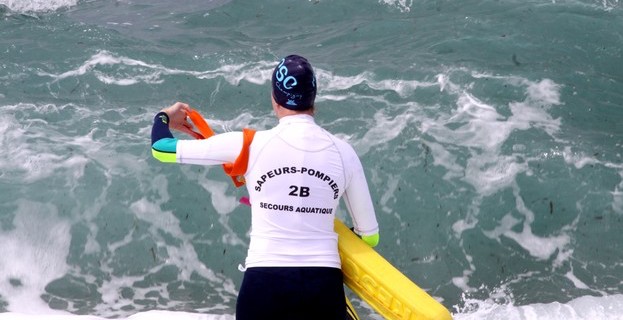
[384, 130]
[462, 281]
[540, 247]
[483, 130]
[582, 308]
[223, 203]
[33, 254]
[402, 5]
[617, 197]
[34, 6]
[163, 225]
[113, 69]
[34, 161]
[490, 174]
[578, 159]
[444, 158]
[576, 282]
[131, 71]
[330, 82]
[389, 195]
[23, 291]
[105, 58]
[147, 315]
[184, 256]
[498, 306]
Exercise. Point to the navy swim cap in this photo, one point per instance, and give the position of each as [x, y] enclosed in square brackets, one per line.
[294, 83]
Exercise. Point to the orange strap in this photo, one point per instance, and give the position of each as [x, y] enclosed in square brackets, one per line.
[237, 169]
[201, 124]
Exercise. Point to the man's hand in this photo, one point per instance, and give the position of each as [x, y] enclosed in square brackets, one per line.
[177, 117]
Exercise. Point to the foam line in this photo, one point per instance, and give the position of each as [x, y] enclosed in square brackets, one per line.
[147, 315]
[34, 6]
[253, 72]
[582, 308]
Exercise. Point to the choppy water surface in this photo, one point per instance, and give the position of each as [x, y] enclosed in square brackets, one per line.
[489, 130]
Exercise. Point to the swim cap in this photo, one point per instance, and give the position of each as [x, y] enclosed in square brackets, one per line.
[294, 83]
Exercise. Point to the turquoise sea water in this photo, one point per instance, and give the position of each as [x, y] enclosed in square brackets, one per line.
[489, 130]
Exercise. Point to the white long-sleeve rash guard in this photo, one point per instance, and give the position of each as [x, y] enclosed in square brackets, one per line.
[296, 175]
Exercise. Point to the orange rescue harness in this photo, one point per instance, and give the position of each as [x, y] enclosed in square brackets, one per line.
[238, 168]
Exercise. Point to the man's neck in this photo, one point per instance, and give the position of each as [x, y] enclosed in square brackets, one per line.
[284, 112]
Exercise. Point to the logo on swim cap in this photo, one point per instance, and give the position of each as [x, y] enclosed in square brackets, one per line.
[294, 83]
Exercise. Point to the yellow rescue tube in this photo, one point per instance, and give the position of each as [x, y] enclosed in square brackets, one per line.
[381, 285]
